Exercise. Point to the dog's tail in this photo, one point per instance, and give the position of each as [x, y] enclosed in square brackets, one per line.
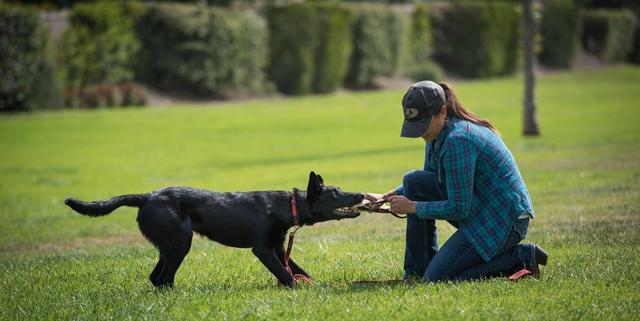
[100, 208]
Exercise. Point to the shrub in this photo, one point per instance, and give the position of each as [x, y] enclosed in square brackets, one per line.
[427, 70]
[635, 56]
[374, 52]
[397, 28]
[477, 39]
[99, 46]
[559, 28]
[310, 45]
[204, 51]
[334, 47]
[420, 41]
[208, 2]
[380, 44]
[609, 33]
[24, 68]
[105, 95]
[133, 95]
[419, 65]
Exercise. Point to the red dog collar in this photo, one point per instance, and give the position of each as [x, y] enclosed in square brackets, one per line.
[294, 210]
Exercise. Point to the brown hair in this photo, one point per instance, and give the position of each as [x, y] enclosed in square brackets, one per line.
[454, 107]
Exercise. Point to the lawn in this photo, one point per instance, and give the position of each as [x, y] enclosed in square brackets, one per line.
[583, 174]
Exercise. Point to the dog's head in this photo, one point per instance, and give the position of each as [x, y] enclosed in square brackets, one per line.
[329, 202]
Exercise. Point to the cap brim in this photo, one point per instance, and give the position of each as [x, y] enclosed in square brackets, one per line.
[414, 129]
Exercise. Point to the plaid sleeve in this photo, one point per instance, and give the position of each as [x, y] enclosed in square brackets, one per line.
[398, 190]
[458, 161]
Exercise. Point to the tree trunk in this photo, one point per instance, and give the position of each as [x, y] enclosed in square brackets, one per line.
[530, 29]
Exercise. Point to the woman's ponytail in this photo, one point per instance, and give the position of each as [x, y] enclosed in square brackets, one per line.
[455, 107]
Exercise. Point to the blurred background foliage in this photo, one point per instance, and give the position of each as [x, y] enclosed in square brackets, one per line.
[205, 51]
[109, 52]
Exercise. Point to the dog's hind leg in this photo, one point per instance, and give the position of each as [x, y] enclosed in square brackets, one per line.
[172, 255]
[153, 277]
[171, 234]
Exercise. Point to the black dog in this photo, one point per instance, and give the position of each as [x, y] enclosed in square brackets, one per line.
[259, 220]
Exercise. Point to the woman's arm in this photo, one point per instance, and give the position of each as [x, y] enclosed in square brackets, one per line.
[459, 160]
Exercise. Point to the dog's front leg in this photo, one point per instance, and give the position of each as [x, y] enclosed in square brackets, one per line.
[268, 257]
[295, 268]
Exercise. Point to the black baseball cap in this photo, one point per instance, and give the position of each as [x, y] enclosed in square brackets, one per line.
[421, 101]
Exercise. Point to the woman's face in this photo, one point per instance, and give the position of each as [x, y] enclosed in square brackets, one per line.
[436, 125]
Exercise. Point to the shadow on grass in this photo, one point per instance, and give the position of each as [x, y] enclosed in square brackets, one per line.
[376, 283]
[224, 287]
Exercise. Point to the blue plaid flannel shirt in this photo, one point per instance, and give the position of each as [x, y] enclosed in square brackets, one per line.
[485, 190]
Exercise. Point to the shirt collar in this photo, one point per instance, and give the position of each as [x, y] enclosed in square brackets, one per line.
[446, 128]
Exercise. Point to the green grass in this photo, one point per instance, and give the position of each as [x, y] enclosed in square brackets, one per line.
[583, 174]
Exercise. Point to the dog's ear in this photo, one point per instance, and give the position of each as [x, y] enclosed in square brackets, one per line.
[313, 188]
[312, 177]
[320, 180]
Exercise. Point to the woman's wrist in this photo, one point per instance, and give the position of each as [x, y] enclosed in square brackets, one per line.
[402, 205]
[414, 207]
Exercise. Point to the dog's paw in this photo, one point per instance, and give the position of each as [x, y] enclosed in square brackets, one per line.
[163, 286]
[301, 278]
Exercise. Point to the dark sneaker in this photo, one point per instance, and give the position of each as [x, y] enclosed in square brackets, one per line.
[534, 256]
[538, 256]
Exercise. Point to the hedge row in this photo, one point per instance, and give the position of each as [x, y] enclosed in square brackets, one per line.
[419, 65]
[100, 45]
[560, 32]
[609, 33]
[204, 51]
[477, 39]
[24, 69]
[635, 55]
[302, 48]
[105, 95]
[310, 44]
[420, 42]
[374, 30]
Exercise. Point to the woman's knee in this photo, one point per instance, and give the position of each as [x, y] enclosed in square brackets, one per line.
[439, 268]
[410, 182]
[435, 274]
[455, 256]
[411, 177]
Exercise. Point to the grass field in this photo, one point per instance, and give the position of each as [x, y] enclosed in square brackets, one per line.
[583, 174]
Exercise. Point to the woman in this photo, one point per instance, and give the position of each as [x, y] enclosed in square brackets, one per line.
[469, 179]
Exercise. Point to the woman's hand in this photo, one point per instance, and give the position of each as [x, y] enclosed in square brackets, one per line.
[402, 205]
[374, 198]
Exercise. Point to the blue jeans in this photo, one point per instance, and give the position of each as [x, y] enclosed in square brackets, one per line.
[457, 260]
[421, 235]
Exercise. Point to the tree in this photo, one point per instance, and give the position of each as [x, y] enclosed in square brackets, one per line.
[530, 29]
